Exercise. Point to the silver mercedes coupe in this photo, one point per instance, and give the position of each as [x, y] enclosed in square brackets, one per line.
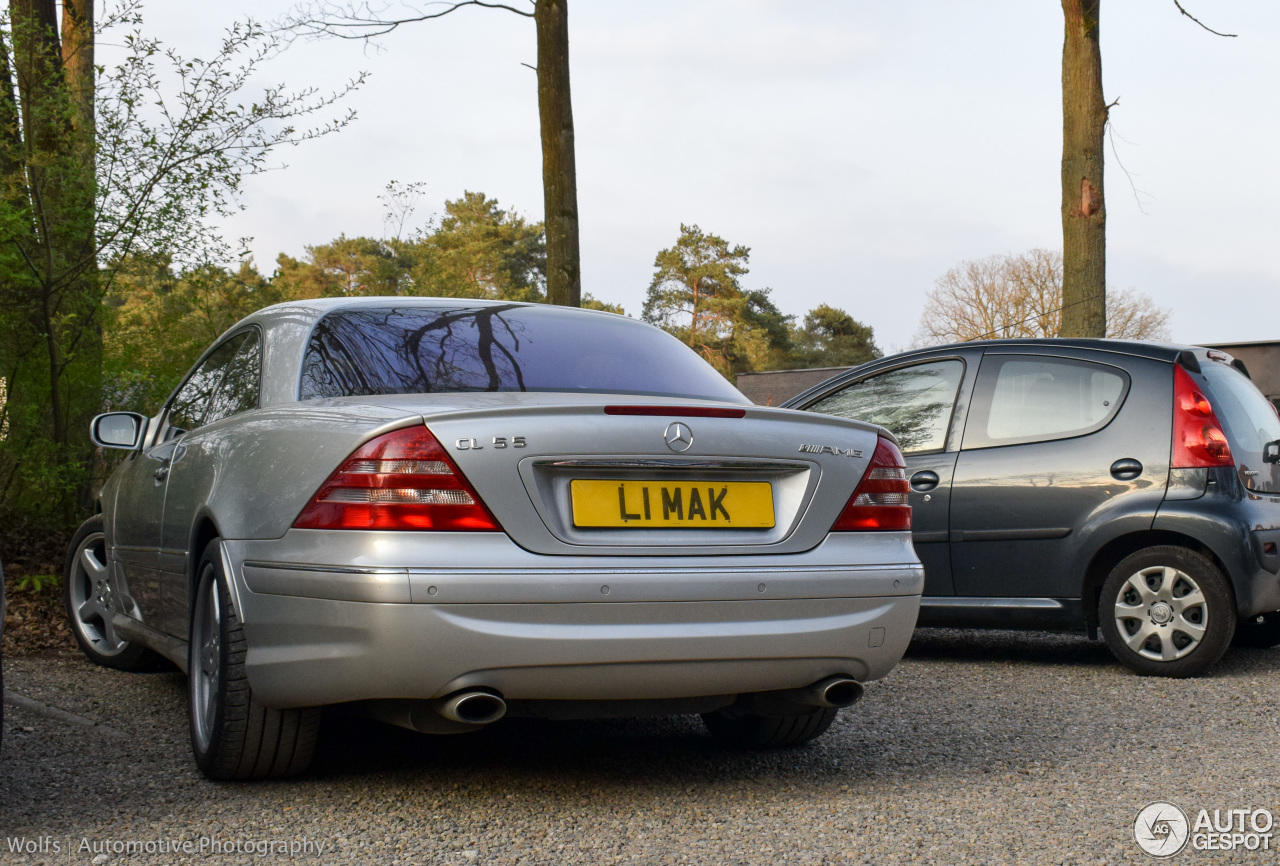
[447, 511]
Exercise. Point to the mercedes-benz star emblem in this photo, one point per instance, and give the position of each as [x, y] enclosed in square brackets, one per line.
[678, 436]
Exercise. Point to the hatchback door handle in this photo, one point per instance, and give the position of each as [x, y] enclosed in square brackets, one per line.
[1126, 469]
[925, 479]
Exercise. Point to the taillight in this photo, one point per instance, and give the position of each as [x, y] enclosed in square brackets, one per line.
[401, 480]
[880, 502]
[1198, 440]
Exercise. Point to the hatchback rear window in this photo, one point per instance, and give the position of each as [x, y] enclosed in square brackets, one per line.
[506, 347]
[1250, 418]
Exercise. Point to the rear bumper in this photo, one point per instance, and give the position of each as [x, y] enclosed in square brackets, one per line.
[621, 629]
[1238, 529]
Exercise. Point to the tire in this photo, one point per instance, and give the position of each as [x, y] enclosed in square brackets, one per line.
[89, 595]
[750, 731]
[1258, 632]
[1167, 612]
[233, 736]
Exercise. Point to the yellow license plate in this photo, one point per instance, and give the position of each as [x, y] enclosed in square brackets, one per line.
[682, 504]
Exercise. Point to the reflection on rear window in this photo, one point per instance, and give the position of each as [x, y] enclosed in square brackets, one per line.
[1240, 405]
[503, 347]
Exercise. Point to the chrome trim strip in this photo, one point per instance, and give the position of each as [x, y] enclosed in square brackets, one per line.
[893, 568]
[995, 603]
[1037, 534]
[674, 464]
[328, 569]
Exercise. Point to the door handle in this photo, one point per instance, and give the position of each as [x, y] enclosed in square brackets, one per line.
[925, 479]
[1126, 469]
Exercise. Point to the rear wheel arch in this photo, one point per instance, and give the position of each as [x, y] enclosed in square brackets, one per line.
[1111, 554]
[204, 532]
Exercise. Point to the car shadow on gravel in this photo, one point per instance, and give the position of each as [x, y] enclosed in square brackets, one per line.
[1016, 647]
[1074, 649]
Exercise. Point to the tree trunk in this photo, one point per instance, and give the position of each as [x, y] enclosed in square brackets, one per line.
[1084, 214]
[559, 169]
[77, 65]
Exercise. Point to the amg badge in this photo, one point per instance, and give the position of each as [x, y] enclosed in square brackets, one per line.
[827, 449]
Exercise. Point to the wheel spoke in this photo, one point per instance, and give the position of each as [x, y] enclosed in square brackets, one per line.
[1195, 598]
[1168, 577]
[1128, 611]
[89, 610]
[1192, 630]
[109, 640]
[1139, 585]
[1139, 637]
[89, 561]
[1168, 650]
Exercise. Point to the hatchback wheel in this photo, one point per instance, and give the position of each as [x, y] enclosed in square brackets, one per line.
[1258, 632]
[232, 735]
[1167, 611]
[90, 598]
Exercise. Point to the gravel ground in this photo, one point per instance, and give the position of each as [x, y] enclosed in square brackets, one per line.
[982, 747]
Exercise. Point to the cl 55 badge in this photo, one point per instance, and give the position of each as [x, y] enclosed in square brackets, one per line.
[827, 449]
[496, 442]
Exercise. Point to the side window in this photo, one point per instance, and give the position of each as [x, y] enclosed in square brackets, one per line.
[189, 405]
[913, 403]
[239, 389]
[1020, 398]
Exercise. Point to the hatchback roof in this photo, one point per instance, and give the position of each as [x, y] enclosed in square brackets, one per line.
[1139, 348]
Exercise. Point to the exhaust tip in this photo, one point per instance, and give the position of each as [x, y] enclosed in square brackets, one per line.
[473, 707]
[836, 691]
[840, 692]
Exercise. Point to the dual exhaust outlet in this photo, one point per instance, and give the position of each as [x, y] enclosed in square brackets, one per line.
[478, 707]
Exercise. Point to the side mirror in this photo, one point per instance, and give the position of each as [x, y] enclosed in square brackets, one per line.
[1271, 452]
[118, 430]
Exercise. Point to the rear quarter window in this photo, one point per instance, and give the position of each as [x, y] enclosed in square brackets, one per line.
[1023, 398]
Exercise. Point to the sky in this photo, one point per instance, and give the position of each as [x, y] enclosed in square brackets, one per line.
[860, 149]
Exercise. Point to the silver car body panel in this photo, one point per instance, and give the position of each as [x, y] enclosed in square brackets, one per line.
[603, 629]
[542, 609]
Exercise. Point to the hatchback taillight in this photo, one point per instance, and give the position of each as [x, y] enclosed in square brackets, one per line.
[1198, 440]
[400, 480]
[880, 502]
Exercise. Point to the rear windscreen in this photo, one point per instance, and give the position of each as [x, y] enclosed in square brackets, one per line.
[515, 347]
[1250, 418]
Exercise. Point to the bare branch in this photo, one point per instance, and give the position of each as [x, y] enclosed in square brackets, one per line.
[1201, 23]
[360, 21]
[1137, 194]
[1020, 296]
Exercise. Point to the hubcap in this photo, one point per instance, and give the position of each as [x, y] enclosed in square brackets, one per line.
[1161, 613]
[92, 598]
[206, 628]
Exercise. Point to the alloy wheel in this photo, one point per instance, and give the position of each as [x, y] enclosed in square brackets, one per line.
[206, 641]
[93, 600]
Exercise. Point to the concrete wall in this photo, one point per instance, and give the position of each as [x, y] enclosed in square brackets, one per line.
[772, 387]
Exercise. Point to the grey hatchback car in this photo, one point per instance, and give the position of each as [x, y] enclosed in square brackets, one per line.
[1097, 484]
